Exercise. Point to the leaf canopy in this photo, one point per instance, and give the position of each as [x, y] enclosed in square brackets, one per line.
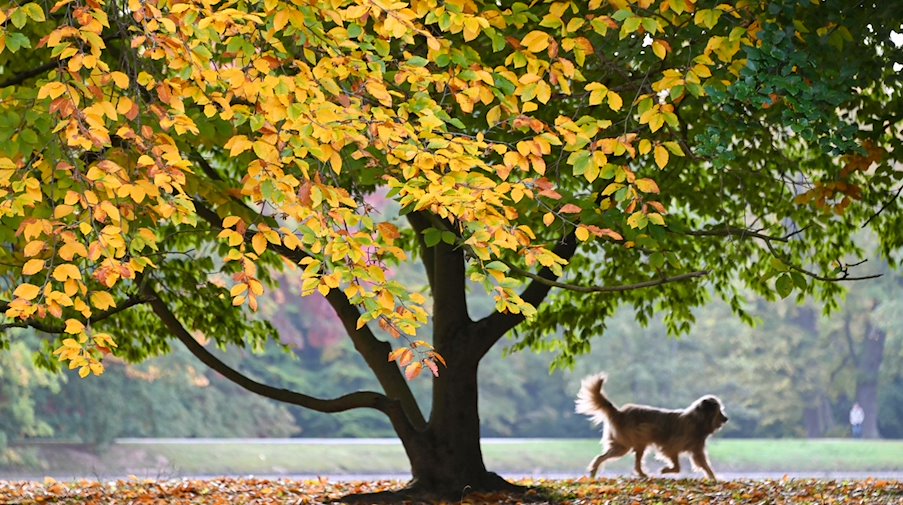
[190, 150]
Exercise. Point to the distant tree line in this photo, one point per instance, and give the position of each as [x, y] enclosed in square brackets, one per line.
[795, 373]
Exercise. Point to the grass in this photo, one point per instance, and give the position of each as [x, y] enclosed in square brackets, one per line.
[556, 456]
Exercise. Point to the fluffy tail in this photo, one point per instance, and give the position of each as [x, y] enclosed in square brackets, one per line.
[591, 401]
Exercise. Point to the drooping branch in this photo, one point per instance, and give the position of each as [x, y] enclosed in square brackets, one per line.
[844, 277]
[373, 350]
[883, 207]
[356, 400]
[768, 241]
[732, 231]
[665, 279]
[28, 74]
[59, 329]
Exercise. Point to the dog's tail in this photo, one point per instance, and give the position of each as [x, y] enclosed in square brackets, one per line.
[591, 400]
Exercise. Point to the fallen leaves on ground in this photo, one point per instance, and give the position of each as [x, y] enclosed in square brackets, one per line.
[577, 492]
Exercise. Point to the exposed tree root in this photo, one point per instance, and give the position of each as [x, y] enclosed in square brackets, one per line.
[423, 492]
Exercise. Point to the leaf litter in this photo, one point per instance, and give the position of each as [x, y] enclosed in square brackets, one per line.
[228, 491]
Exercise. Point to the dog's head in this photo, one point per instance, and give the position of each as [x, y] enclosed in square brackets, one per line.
[712, 411]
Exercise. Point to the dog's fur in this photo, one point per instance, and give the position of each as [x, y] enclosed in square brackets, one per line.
[635, 427]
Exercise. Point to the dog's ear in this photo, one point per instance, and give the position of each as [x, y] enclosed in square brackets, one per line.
[710, 403]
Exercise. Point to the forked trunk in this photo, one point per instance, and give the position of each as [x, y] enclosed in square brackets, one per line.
[446, 458]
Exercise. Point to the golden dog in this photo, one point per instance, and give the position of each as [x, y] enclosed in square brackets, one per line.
[635, 427]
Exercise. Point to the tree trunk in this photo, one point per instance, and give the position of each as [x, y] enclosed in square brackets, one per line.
[449, 461]
[446, 458]
[867, 369]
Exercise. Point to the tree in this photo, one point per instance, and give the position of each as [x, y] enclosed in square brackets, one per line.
[162, 160]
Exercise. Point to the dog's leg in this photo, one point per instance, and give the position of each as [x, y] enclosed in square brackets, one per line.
[639, 461]
[675, 464]
[614, 451]
[700, 460]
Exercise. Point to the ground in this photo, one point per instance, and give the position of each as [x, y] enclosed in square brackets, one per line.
[577, 492]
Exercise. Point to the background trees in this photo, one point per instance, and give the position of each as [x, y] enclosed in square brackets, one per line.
[164, 160]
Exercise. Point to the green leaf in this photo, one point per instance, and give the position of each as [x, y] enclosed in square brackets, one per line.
[784, 285]
[19, 18]
[431, 237]
[16, 41]
[34, 11]
[418, 61]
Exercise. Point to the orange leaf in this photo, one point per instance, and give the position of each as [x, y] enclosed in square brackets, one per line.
[570, 209]
[394, 355]
[413, 370]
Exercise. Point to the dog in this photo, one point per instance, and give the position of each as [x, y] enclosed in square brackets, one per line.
[635, 427]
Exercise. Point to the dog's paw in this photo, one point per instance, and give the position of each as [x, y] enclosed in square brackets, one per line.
[670, 469]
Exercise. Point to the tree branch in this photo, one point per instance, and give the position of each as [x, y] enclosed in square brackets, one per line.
[58, 329]
[492, 327]
[731, 231]
[886, 205]
[373, 350]
[845, 277]
[28, 74]
[360, 399]
[609, 289]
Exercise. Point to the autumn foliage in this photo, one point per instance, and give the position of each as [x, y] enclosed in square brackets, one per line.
[247, 491]
[269, 122]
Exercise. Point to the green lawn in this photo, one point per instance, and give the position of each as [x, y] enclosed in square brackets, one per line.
[533, 456]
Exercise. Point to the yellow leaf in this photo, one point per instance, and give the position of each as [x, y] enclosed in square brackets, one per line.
[33, 248]
[265, 151]
[386, 300]
[84, 371]
[582, 233]
[256, 287]
[238, 289]
[230, 221]
[238, 144]
[120, 79]
[647, 186]
[102, 300]
[66, 271]
[548, 219]
[614, 101]
[51, 90]
[74, 326]
[32, 267]
[659, 49]
[26, 291]
[597, 93]
[535, 41]
[661, 156]
[259, 243]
